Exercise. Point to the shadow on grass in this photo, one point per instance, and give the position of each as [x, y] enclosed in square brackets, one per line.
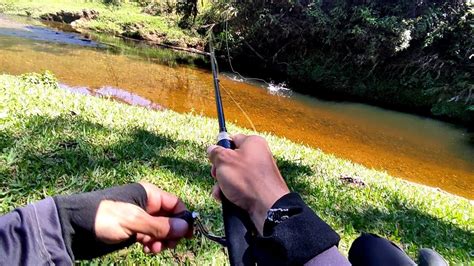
[48, 149]
[411, 227]
[68, 153]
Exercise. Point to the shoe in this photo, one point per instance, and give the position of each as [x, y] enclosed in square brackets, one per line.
[429, 257]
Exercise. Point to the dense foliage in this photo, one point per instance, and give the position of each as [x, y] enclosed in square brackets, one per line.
[187, 9]
[408, 54]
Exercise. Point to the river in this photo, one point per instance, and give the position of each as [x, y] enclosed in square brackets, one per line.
[412, 147]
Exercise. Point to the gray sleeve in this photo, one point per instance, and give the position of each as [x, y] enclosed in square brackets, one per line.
[330, 257]
[32, 236]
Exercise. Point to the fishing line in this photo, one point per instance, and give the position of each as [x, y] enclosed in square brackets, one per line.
[238, 105]
[230, 62]
[230, 94]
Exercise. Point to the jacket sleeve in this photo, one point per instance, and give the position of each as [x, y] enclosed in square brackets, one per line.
[303, 238]
[32, 236]
[330, 257]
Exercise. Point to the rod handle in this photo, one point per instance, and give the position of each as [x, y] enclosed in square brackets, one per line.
[238, 226]
[226, 143]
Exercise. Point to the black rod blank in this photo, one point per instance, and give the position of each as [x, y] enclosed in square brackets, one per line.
[238, 226]
[217, 91]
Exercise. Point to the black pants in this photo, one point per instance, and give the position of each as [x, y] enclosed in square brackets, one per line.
[370, 249]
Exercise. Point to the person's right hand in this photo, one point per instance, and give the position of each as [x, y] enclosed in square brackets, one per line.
[248, 176]
[155, 227]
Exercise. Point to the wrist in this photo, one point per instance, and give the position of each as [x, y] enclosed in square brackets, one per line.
[258, 213]
[77, 214]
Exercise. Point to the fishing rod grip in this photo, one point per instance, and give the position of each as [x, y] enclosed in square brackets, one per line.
[226, 143]
[237, 226]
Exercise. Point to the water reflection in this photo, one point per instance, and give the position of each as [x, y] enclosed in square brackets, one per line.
[128, 97]
[77, 90]
[22, 30]
[115, 93]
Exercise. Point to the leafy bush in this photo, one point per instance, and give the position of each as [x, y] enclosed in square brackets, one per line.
[188, 9]
[418, 51]
[46, 79]
[115, 3]
[156, 8]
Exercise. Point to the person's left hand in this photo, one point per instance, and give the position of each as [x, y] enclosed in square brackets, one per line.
[155, 227]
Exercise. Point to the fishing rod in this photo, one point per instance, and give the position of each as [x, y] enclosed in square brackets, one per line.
[238, 227]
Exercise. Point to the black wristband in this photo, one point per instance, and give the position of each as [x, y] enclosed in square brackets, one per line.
[77, 216]
[295, 240]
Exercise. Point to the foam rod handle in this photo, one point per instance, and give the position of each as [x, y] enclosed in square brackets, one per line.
[237, 226]
[238, 231]
[225, 143]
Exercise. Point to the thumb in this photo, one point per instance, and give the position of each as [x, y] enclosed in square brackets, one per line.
[161, 228]
[213, 151]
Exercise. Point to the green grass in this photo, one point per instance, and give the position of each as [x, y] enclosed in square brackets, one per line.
[126, 20]
[54, 142]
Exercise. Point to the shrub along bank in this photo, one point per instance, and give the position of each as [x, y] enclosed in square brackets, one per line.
[55, 142]
[408, 55]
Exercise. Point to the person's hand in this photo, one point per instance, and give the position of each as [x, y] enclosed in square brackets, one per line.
[154, 227]
[248, 176]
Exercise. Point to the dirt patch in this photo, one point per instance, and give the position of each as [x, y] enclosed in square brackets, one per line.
[352, 180]
[69, 17]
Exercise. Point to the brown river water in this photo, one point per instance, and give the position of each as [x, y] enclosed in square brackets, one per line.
[412, 147]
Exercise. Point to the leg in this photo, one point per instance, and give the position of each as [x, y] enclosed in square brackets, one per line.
[370, 249]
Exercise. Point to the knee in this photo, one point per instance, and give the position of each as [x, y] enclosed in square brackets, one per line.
[371, 249]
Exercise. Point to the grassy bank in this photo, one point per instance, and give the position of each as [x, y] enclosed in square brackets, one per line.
[54, 142]
[128, 20]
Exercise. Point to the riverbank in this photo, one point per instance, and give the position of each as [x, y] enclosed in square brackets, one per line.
[391, 61]
[54, 142]
[128, 20]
